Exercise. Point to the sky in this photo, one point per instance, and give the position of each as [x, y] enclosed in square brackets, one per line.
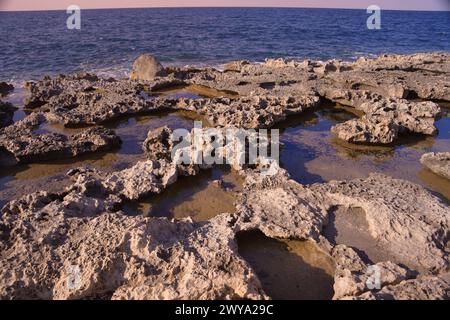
[19, 5]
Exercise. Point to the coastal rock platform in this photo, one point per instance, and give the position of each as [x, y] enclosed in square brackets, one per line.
[375, 237]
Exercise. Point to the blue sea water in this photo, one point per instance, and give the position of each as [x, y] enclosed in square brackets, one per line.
[36, 43]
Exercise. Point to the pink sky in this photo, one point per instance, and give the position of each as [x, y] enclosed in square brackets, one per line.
[89, 4]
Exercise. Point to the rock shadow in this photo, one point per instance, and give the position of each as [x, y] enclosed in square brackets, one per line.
[288, 270]
[348, 226]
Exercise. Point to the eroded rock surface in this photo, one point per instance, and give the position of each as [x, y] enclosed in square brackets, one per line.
[439, 163]
[422, 288]
[268, 93]
[384, 120]
[85, 99]
[78, 243]
[27, 146]
[118, 257]
[124, 257]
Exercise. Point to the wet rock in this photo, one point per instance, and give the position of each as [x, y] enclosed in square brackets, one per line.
[415, 242]
[439, 163]
[146, 67]
[422, 75]
[27, 146]
[163, 83]
[280, 207]
[5, 88]
[41, 91]
[331, 66]
[145, 178]
[6, 113]
[81, 234]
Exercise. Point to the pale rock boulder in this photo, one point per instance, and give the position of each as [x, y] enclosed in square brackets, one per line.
[147, 67]
[235, 66]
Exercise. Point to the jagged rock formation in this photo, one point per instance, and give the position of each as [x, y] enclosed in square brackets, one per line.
[27, 146]
[124, 257]
[268, 93]
[78, 242]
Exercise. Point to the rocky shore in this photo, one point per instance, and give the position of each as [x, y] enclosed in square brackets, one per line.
[392, 226]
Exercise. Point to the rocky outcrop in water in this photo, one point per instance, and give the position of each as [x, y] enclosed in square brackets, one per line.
[377, 88]
[268, 93]
[407, 223]
[384, 120]
[255, 111]
[439, 163]
[28, 146]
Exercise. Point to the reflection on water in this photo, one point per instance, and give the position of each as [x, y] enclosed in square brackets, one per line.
[202, 197]
[311, 153]
[288, 269]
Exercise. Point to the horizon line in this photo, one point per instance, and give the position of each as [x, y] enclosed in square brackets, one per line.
[223, 7]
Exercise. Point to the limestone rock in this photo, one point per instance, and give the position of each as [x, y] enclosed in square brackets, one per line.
[27, 146]
[439, 163]
[422, 288]
[146, 67]
[367, 129]
[385, 119]
[159, 144]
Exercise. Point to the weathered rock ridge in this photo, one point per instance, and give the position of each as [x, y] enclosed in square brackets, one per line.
[380, 89]
[21, 140]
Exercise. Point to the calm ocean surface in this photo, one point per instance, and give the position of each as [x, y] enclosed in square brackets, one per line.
[36, 43]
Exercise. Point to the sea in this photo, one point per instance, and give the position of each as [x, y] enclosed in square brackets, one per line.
[34, 44]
